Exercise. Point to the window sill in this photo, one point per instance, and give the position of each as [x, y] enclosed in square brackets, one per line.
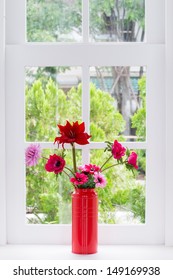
[60, 252]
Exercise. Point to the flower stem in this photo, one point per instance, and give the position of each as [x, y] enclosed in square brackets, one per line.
[45, 158]
[74, 158]
[69, 170]
[112, 166]
[105, 163]
[66, 173]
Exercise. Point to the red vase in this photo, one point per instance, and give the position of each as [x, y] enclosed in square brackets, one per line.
[84, 221]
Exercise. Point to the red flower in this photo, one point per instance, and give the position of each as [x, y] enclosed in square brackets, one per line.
[132, 160]
[72, 133]
[118, 151]
[89, 168]
[79, 179]
[55, 164]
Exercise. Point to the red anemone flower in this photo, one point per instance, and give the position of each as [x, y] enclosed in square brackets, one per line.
[118, 151]
[89, 168]
[79, 179]
[132, 160]
[55, 164]
[72, 133]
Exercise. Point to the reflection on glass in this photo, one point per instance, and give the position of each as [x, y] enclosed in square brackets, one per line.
[122, 201]
[117, 21]
[52, 96]
[54, 20]
[118, 103]
[48, 198]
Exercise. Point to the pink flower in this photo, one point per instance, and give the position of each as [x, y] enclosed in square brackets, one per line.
[79, 179]
[118, 151]
[32, 154]
[89, 168]
[132, 160]
[100, 180]
[55, 164]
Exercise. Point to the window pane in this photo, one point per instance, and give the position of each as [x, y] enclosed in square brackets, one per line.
[122, 201]
[54, 20]
[117, 21]
[53, 95]
[48, 198]
[118, 103]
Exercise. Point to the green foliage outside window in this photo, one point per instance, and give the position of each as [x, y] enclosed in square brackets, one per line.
[139, 121]
[46, 105]
[48, 20]
[49, 197]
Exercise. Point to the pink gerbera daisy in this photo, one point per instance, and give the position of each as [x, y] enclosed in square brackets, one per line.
[32, 154]
[79, 179]
[100, 180]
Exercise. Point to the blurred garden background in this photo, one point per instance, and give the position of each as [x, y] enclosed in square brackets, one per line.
[117, 108]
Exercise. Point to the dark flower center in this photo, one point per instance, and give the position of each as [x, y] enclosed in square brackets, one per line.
[58, 163]
[71, 134]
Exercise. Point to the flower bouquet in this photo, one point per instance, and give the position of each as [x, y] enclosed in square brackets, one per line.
[84, 178]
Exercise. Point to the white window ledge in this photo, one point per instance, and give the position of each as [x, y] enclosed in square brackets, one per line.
[57, 252]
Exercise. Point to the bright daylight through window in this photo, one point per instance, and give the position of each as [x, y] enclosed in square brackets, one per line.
[116, 102]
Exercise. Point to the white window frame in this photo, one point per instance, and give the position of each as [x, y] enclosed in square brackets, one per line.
[168, 125]
[19, 54]
[2, 127]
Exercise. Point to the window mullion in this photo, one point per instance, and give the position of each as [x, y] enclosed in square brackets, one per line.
[16, 21]
[85, 20]
[130, 145]
[85, 97]
[85, 109]
[155, 21]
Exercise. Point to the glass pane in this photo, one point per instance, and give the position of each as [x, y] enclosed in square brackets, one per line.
[117, 21]
[54, 20]
[52, 96]
[118, 103]
[48, 198]
[122, 201]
